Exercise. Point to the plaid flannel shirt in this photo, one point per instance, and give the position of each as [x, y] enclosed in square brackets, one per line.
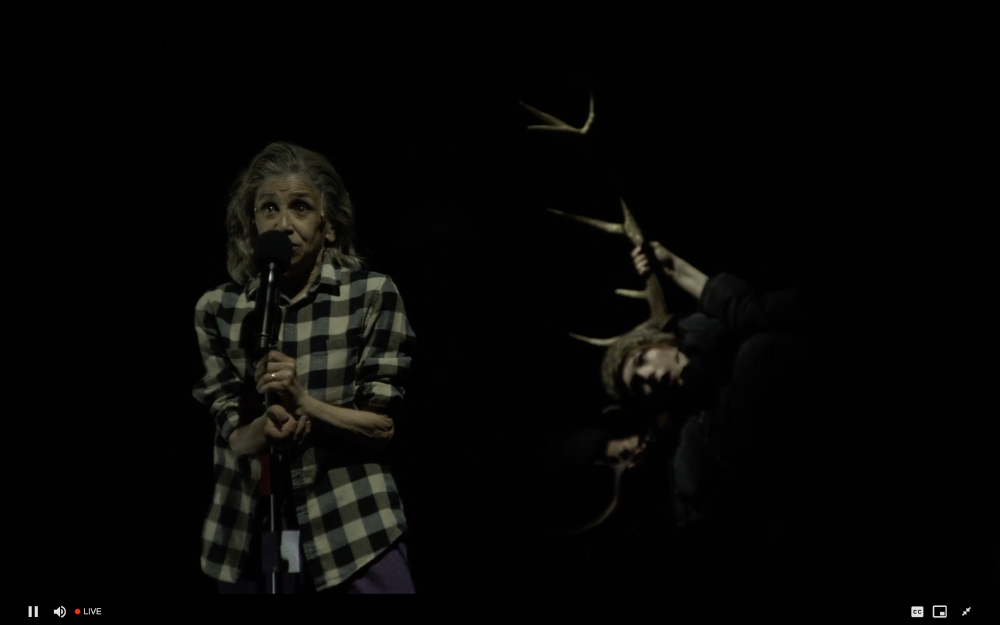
[350, 339]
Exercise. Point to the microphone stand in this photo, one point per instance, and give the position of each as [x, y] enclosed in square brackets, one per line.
[268, 313]
[271, 468]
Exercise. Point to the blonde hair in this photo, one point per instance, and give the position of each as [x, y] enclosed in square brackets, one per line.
[614, 358]
[283, 159]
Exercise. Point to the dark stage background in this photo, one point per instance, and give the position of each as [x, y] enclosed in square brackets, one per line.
[861, 166]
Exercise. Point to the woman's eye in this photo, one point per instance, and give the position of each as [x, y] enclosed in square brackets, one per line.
[302, 207]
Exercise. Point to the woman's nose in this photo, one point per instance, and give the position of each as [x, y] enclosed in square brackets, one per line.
[282, 223]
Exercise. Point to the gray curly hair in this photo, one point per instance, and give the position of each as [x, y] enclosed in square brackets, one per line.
[614, 358]
[282, 159]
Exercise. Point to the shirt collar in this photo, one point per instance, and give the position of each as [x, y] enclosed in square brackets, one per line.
[329, 275]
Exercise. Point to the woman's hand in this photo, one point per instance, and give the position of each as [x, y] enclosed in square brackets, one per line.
[276, 427]
[284, 431]
[623, 450]
[276, 373]
[676, 268]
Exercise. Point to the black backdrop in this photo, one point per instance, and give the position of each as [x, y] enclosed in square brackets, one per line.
[857, 163]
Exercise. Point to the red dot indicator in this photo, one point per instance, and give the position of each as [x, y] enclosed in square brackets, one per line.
[78, 610]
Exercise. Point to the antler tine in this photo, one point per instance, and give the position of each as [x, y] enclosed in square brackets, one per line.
[630, 227]
[550, 120]
[606, 226]
[607, 342]
[553, 124]
[591, 116]
[618, 471]
[655, 292]
[597, 342]
[632, 294]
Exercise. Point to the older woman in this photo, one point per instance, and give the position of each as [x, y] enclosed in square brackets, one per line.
[344, 352]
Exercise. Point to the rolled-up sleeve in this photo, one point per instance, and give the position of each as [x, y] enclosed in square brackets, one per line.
[221, 385]
[385, 359]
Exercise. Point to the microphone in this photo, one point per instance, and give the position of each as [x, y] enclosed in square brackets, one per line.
[272, 254]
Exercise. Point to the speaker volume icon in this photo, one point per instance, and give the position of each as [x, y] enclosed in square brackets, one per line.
[60, 611]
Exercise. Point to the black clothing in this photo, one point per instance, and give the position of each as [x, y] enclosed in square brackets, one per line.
[739, 457]
[750, 376]
[743, 463]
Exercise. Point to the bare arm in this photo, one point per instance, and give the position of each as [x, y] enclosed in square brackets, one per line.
[363, 427]
[248, 440]
[277, 373]
[275, 427]
[686, 275]
[380, 373]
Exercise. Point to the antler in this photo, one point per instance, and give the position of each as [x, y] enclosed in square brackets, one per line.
[643, 294]
[656, 426]
[618, 469]
[610, 341]
[654, 292]
[554, 125]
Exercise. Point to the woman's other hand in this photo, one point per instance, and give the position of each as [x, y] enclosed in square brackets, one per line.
[676, 268]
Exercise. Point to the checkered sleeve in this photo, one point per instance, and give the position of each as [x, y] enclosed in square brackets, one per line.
[220, 387]
[385, 357]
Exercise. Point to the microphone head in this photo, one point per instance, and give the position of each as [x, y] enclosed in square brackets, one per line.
[273, 247]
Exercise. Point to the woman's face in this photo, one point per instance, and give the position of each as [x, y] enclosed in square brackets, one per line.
[291, 205]
[649, 372]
